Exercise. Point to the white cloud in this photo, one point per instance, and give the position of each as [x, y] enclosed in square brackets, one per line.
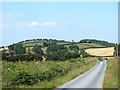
[34, 24]
[48, 24]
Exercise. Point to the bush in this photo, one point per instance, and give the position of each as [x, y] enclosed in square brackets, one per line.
[69, 55]
[73, 47]
[24, 78]
[54, 48]
[19, 49]
[23, 57]
[29, 73]
[100, 58]
[37, 49]
[57, 55]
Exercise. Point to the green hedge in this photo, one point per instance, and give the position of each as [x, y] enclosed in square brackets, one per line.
[29, 73]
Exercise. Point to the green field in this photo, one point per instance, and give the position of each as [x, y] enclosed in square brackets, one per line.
[87, 45]
[31, 44]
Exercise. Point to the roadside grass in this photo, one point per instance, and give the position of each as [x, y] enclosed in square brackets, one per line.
[57, 72]
[57, 81]
[111, 75]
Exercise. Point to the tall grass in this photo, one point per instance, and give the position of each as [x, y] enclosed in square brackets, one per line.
[111, 75]
[31, 74]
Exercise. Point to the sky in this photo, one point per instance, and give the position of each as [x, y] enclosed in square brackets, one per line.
[59, 20]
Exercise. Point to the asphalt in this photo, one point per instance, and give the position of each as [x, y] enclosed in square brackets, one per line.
[90, 79]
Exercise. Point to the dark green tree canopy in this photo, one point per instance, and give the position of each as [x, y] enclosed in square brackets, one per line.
[37, 49]
[105, 43]
[73, 47]
[53, 48]
[19, 49]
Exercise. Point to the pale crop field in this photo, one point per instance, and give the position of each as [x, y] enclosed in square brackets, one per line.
[3, 49]
[101, 51]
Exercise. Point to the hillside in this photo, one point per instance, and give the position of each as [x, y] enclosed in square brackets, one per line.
[82, 44]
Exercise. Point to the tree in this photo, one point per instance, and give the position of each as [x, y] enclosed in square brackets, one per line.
[56, 55]
[53, 48]
[37, 49]
[104, 43]
[11, 48]
[54, 43]
[68, 55]
[19, 49]
[73, 47]
[45, 44]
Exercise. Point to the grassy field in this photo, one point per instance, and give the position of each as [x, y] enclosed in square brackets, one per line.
[47, 74]
[111, 75]
[87, 45]
[30, 44]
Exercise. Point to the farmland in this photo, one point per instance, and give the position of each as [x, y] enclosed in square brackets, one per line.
[42, 63]
[101, 51]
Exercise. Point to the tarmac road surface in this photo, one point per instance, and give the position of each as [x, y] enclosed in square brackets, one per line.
[90, 79]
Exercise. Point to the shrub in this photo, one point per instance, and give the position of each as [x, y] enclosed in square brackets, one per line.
[19, 49]
[53, 48]
[37, 49]
[24, 78]
[57, 55]
[22, 57]
[69, 55]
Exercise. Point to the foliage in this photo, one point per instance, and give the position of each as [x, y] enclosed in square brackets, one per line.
[37, 49]
[4, 55]
[30, 73]
[19, 49]
[53, 48]
[11, 47]
[56, 55]
[73, 47]
[21, 57]
[46, 44]
[24, 78]
[105, 43]
[84, 54]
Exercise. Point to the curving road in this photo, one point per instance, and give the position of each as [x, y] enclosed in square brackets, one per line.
[90, 79]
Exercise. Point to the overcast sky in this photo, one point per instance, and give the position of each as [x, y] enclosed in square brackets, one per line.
[68, 21]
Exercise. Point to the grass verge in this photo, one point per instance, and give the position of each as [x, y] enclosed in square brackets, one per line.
[57, 81]
[111, 75]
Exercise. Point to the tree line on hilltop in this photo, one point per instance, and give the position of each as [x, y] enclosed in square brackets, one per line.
[104, 43]
[17, 52]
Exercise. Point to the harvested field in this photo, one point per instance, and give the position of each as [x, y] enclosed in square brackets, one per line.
[101, 51]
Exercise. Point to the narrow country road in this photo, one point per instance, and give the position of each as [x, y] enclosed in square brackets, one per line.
[90, 79]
